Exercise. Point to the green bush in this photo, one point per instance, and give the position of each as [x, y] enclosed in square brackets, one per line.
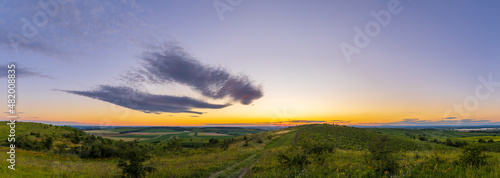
[174, 145]
[382, 155]
[132, 156]
[473, 155]
[47, 142]
[213, 141]
[293, 156]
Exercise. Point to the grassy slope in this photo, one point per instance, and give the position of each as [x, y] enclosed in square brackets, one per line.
[350, 160]
[27, 127]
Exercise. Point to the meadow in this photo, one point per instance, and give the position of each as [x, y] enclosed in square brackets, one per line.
[300, 151]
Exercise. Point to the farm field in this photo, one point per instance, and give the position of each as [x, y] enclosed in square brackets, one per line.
[301, 151]
[191, 137]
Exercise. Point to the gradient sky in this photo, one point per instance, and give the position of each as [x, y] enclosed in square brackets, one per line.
[423, 68]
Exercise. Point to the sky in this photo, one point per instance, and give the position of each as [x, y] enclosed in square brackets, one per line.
[248, 63]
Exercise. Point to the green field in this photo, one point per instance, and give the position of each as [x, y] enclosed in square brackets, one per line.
[190, 136]
[301, 151]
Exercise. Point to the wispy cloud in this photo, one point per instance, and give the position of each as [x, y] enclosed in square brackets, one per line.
[339, 121]
[306, 121]
[66, 28]
[23, 72]
[444, 121]
[145, 102]
[49, 122]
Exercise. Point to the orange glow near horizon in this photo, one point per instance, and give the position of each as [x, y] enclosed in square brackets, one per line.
[90, 112]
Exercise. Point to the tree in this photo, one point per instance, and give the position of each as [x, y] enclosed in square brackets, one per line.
[132, 157]
[481, 140]
[47, 143]
[490, 141]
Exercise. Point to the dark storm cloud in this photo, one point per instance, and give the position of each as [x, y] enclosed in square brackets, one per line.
[145, 102]
[170, 63]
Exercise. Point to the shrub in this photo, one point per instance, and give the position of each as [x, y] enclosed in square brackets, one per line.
[47, 143]
[260, 141]
[132, 157]
[213, 141]
[61, 147]
[449, 142]
[382, 155]
[174, 145]
[473, 155]
[293, 156]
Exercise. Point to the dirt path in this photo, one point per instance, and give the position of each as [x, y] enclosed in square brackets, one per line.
[236, 165]
[236, 170]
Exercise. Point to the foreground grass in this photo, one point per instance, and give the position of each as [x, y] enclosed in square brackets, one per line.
[351, 163]
[41, 164]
